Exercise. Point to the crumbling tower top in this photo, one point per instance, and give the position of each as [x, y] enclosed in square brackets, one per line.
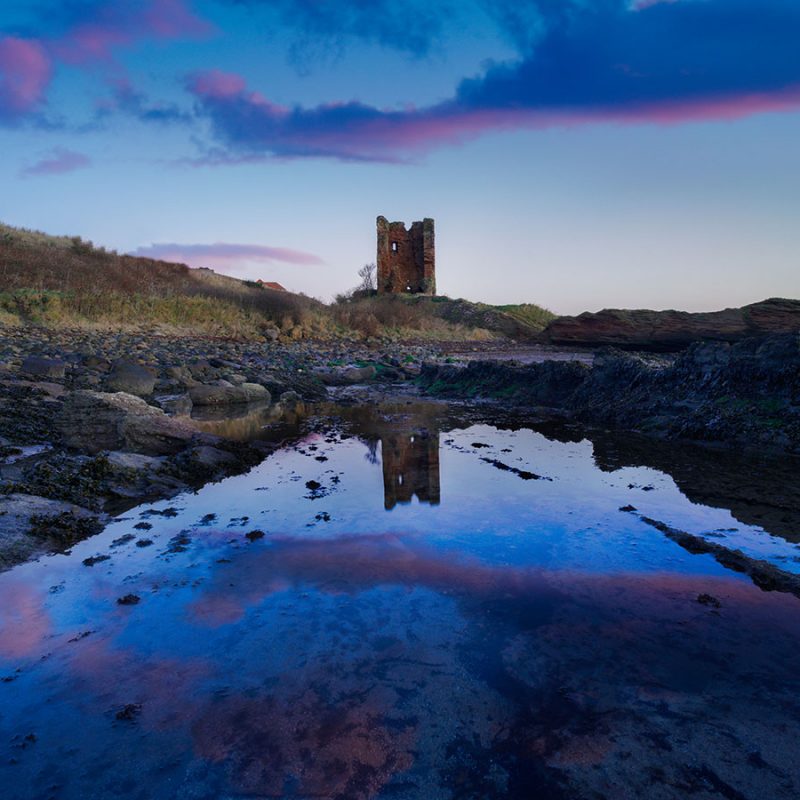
[406, 258]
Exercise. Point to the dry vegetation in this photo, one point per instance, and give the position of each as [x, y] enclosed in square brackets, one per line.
[63, 281]
[67, 281]
[406, 316]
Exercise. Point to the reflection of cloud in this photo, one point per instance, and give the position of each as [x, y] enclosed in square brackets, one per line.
[352, 564]
[530, 675]
[164, 686]
[301, 738]
[24, 620]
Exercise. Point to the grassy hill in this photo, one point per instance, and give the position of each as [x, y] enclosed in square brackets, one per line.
[59, 280]
[66, 281]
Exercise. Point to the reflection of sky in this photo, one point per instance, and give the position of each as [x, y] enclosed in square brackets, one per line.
[345, 638]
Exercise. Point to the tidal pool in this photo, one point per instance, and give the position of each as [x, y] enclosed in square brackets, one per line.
[401, 603]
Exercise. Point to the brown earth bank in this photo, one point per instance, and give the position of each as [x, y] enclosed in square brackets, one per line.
[668, 331]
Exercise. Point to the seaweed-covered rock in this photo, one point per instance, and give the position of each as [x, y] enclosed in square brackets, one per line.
[747, 393]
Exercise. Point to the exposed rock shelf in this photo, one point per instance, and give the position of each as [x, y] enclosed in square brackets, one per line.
[665, 331]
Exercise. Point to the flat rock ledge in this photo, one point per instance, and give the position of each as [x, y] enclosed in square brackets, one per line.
[213, 395]
[93, 422]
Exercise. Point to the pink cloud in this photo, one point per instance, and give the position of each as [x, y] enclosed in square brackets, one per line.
[253, 128]
[639, 5]
[173, 19]
[25, 73]
[57, 162]
[217, 84]
[227, 257]
[649, 61]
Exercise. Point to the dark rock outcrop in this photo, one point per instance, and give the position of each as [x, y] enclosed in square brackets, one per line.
[746, 393]
[669, 331]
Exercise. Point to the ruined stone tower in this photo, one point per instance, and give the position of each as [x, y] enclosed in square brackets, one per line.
[406, 258]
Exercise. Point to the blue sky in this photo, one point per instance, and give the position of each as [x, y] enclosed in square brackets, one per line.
[576, 153]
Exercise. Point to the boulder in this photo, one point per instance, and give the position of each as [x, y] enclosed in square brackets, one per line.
[181, 375]
[131, 378]
[134, 461]
[213, 395]
[44, 367]
[97, 421]
[96, 363]
[347, 376]
[175, 405]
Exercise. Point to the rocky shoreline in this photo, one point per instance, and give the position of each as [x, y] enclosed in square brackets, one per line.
[93, 423]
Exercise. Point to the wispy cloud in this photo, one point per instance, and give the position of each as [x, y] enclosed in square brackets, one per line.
[608, 61]
[228, 258]
[57, 162]
[97, 30]
[128, 99]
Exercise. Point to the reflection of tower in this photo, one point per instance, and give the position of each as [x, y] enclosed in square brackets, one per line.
[410, 467]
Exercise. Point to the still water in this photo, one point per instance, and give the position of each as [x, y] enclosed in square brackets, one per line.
[401, 604]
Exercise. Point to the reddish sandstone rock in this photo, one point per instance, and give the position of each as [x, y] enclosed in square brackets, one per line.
[673, 330]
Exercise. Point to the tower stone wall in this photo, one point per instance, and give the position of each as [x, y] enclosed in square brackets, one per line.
[406, 258]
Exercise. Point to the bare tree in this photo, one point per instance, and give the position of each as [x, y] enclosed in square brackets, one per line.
[367, 275]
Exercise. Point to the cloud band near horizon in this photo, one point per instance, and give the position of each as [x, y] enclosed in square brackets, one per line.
[226, 257]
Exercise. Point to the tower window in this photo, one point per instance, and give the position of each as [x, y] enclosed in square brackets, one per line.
[394, 247]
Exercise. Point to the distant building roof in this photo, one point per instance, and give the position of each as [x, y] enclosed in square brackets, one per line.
[272, 285]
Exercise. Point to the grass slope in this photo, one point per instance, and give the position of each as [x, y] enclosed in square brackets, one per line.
[66, 281]
[58, 280]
